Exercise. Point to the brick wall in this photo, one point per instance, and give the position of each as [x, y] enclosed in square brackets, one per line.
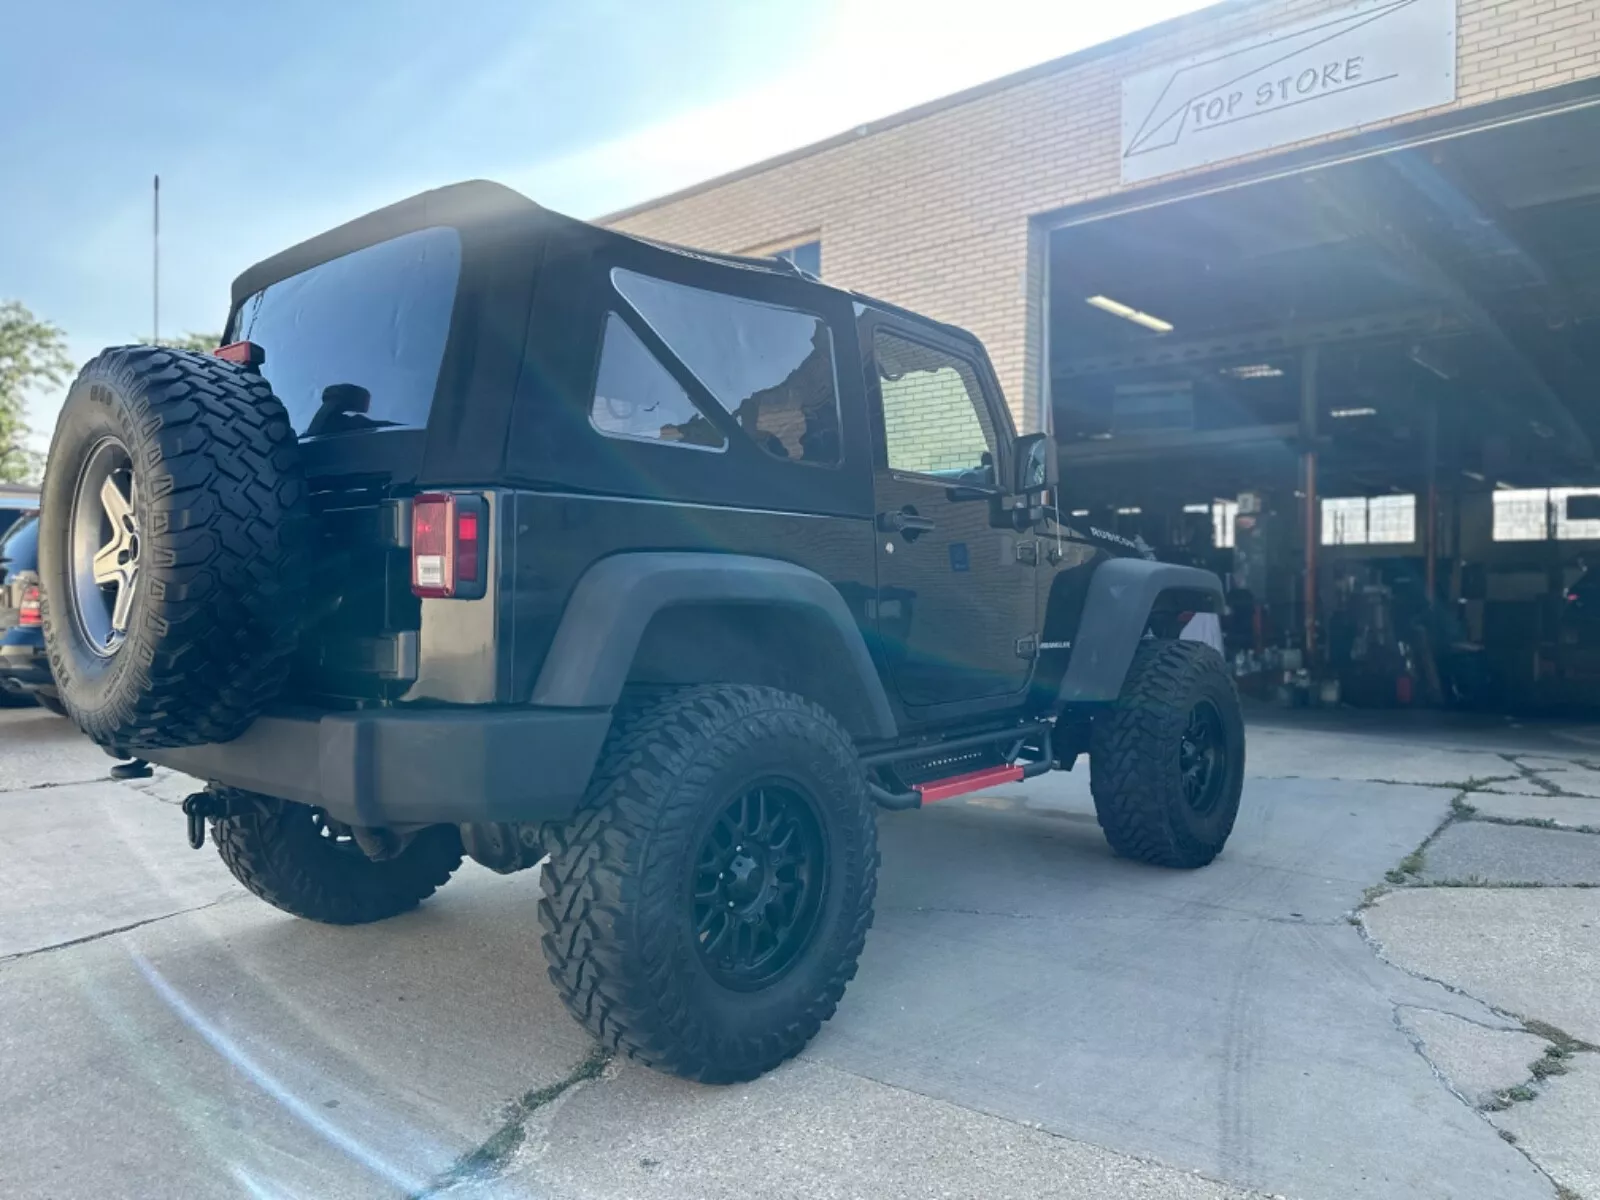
[932, 212]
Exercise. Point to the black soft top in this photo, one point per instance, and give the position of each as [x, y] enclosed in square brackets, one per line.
[513, 389]
[483, 204]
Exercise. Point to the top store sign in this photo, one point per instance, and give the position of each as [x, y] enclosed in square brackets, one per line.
[1350, 67]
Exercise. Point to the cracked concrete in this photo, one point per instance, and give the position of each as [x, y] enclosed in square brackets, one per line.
[1480, 1062]
[1032, 1017]
[1567, 812]
[1560, 1129]
[1483, 852]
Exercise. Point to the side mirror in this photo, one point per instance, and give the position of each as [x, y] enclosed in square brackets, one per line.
[1035, 464]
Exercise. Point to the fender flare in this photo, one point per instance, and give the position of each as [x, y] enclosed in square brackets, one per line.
[615, 599]
[1115, 612]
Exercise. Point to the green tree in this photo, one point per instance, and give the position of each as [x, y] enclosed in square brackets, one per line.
[33, 354]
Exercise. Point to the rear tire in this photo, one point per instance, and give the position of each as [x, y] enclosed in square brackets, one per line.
[172, 548]
[1178, 705]
[668, 936]
[289, 855]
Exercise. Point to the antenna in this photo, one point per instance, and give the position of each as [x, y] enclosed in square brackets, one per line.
[155, 265]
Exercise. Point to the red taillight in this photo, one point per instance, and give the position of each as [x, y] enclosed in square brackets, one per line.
[432, 544]
[246, 354]
[467, 547]
[28, 610]
[447, 557]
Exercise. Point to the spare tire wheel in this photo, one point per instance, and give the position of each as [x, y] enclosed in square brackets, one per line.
[172, 548]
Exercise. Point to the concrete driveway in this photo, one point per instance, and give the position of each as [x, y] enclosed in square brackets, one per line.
[1314, 1015]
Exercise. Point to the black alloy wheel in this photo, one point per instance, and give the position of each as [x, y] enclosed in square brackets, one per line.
[758, 882]
[1203, 759]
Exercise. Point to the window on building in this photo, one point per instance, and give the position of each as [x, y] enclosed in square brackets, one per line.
[807, 256]
[636, 397]
[934, 418]
[1364, 521]
[1537, 514]
[771, 367]
[1223, 514]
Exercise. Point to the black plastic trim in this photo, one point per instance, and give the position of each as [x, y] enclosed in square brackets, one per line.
[378, 769]
[1115, 613]
[613, 602]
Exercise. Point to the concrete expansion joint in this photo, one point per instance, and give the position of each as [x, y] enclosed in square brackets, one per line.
[1536, 776]
[105, 933]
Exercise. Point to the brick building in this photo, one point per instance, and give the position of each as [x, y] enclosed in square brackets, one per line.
[946, 208]
[1315, 277]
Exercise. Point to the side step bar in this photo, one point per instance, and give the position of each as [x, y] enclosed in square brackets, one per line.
[935, 790]
[972, 781]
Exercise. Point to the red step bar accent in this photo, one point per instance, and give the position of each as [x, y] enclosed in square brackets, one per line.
[972, 781]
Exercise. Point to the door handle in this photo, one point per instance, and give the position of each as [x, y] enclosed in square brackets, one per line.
[906, 522]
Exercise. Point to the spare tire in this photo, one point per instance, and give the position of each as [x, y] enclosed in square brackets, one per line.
[172, 548]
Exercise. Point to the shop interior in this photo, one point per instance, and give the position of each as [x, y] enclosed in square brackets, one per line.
[1368, 395]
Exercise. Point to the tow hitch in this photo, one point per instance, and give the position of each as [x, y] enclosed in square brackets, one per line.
[197, 808]
[202, 805]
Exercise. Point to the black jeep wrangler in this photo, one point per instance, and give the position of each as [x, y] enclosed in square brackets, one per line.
[493, 533]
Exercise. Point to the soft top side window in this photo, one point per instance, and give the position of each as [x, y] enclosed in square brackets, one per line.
[771, 367]
[636, 397]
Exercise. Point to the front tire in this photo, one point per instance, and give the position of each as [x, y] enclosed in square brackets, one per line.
[292, 857]
[706, 907]
[1166, 764]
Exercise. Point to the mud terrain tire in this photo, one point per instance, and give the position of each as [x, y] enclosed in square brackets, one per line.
[291, 857]
[627, 883]
[1139, 750]
[208, 483]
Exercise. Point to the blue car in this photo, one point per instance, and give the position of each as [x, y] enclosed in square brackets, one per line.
[24, 666]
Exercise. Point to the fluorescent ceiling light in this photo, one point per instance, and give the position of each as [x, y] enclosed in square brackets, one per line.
[1254, 371]
[1197, 508]
[1080, 512]
[1117, 309]
[1129, 512]
[1473, 475]
[1354, 412]
[1504, 486]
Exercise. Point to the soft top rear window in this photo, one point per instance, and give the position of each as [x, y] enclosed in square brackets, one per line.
[355, 343]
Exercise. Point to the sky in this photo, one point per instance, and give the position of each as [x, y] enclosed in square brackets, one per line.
[273, 121]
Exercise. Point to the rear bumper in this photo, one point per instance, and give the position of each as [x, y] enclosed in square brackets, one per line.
[439, 766]
[23, 661]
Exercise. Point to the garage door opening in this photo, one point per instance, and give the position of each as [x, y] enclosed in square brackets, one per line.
[1369, 396]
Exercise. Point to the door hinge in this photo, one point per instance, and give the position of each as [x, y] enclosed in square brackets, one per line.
[1028, 553]
[1027, 647]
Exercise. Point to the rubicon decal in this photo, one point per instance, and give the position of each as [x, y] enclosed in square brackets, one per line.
[1355, 66]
